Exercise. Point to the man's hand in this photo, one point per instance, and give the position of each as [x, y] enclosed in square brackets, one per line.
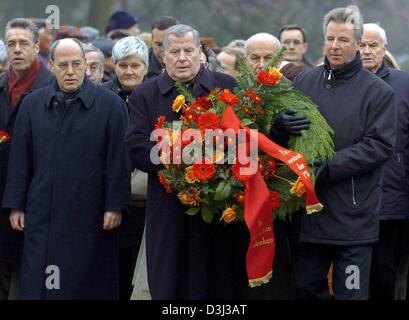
[288, 120]
[322, 170]
[112, 219]
[17, 219]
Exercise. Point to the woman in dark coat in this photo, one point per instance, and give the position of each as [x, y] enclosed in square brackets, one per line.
[130, 58]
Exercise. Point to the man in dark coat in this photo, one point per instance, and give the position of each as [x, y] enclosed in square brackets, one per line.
[25, 74]
[68, 183]
[360, 108]
[394, 213]
[158, 30]
[186, 257]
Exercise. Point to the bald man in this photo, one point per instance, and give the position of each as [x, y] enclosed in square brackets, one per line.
[68, 183]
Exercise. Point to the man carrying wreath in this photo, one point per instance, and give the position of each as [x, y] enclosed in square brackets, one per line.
[187, 258]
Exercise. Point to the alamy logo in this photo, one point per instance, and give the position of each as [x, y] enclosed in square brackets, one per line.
[52, 282]
[53, 20]
[353, 280]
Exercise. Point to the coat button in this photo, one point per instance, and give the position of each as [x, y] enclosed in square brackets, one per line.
[55, 104]
[328, 86]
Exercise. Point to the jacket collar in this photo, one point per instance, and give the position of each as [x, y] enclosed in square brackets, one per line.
[202, 80]
[383, 70]
[86, 94]
[345, 72]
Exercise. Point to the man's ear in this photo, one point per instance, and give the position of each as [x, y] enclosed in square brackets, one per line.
[305, 46]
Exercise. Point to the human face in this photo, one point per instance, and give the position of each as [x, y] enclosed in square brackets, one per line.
[293, 41]
[259, 54]
[68, 66]
[372, 50]
[182, 57]
[130, 72]
[93, 67]
[340, 44]
[21, 49]
[157, 43]
[228, 63]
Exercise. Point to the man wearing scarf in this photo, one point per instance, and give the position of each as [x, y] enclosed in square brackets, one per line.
[25, 74]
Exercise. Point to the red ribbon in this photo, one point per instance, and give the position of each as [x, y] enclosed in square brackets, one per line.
[258, 205]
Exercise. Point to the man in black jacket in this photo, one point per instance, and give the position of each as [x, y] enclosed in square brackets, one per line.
[25, 74]
[360, 108]
[394, 214]
[159, 28]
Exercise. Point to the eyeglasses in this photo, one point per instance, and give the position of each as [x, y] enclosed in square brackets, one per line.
[22, 44]
[76, 64]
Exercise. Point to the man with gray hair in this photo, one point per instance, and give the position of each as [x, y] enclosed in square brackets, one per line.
[25, 74]
[187, 258]
[360, 108]
[94, 61]
[394, 213]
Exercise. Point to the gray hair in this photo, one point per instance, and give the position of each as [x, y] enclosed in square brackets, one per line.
[180, 31]
[376, 28]
[91, 48]
[349, 15]
[23, 23]
[3, 53]
[56, 43]
[264, 36]
[130, 46]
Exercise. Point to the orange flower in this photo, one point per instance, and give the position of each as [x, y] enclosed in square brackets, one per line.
[276, 200]
[229, 215]
[190, 175]
[271, 76]
[208, 120]
[178, 103]
[161, 121]
[190, 197]
[4, 136]
[299, 188]
[165, 182]
[240, 197]
[204, 171]
[228, 97]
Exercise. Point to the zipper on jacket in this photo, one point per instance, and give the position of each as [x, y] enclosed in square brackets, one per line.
[330, 75]
[353, 191]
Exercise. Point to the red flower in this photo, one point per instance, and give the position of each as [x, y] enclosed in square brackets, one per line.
[260, 110]
[228, 97]
[276, 200]
[161, 121]
[204, 102]
[236, 172]
[4, 136]
[271, 76]
[240, 197]
[208, 120]
[165, 182]
[204, 171]
[253, 96]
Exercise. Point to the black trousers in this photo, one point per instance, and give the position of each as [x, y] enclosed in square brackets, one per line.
[393, 237]
[351, 268]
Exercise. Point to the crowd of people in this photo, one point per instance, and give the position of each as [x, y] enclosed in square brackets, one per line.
[84, 215]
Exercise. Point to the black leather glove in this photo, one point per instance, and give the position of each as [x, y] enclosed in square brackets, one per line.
[288, 121]
[322, 172]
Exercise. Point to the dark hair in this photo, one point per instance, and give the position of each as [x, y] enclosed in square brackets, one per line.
[56, 43]
[164, 22]
[23, 23]
[212, 63]
[293, 27]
